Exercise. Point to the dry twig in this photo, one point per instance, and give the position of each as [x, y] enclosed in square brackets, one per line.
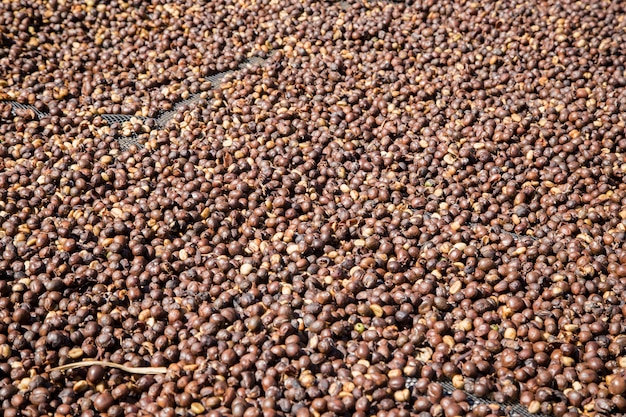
[130, 369]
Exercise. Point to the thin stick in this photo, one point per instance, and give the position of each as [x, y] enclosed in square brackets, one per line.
[130, 369]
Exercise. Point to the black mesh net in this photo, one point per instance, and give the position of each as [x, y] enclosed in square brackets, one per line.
[162, 120]
[165, 117]
[120, 118]
[510, 409]
[15, 105]
[215, 80]
[127, 141]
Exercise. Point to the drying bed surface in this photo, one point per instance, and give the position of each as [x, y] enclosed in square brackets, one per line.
[312, 208]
